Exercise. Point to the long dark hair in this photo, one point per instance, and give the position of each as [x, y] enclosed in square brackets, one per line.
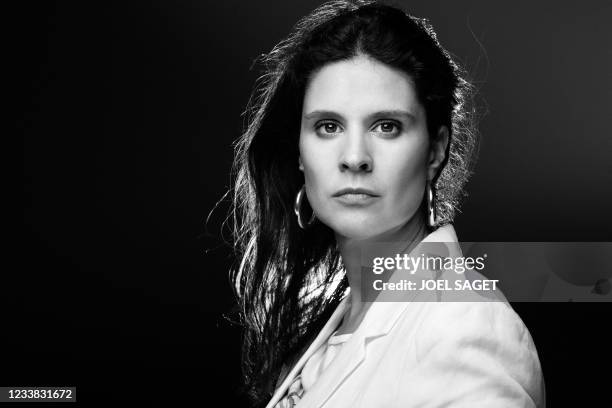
[289, 280]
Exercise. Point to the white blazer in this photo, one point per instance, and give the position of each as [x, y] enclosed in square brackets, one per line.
[428, 354]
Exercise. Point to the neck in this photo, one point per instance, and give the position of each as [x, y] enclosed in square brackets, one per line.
[405, 237]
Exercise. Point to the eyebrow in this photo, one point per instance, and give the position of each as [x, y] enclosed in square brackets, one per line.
[375, 115]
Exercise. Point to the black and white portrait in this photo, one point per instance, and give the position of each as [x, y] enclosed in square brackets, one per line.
[352, 203]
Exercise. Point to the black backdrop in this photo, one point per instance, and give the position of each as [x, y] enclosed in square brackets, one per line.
[127, 113]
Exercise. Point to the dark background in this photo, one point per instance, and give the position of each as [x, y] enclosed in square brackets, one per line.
[127, 112]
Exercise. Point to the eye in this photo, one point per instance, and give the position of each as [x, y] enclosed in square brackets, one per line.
[327, 128]
[388, 128]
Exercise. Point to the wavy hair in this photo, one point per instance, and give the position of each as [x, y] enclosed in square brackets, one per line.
[288, 280]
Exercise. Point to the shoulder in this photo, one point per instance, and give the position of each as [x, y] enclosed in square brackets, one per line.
[479, 351]
[485, 319]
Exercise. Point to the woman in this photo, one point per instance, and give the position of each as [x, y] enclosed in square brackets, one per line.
[359, 133]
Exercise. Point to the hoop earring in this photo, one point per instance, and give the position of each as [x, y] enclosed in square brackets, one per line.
[431, 206]
[298, 205]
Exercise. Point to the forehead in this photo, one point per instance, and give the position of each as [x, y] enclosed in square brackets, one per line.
[359, 86]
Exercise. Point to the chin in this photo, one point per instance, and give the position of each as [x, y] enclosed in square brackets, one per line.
[355, 227]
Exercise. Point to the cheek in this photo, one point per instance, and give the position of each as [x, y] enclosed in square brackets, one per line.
[317, 157]
[409, 172]
[405, 172]
[318, 165]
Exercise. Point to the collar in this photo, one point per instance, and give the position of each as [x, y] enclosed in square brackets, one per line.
[378, 321]
[383, 313]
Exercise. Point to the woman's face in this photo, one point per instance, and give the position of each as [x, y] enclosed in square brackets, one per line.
[364, 147]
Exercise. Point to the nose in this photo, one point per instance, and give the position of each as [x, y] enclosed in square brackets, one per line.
[356, 156]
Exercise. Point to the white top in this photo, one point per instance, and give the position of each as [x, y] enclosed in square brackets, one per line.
[313, 368]
[424, 351]
[319, 361]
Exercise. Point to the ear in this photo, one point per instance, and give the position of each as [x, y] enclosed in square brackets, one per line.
[437, 152]
[301, 165]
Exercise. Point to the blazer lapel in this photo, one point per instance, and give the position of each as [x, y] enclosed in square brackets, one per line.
[322, 337]
[379, 320]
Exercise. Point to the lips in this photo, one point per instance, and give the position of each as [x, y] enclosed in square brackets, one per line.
[355, 191]
[356, 197]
